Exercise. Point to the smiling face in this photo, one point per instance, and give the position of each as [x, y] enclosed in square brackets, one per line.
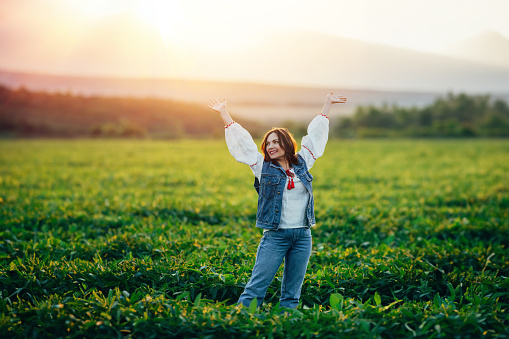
[273, 147]
[279, 146]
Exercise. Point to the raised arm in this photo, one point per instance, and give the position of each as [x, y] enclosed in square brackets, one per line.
[220, 107]
[329, 101]
[313, 144]
[239, 141]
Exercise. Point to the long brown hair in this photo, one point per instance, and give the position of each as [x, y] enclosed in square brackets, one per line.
[287, 142]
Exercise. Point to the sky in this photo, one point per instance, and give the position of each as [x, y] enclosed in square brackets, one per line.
[44, 35]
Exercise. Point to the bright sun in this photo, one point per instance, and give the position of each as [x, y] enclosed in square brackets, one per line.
[164, 14]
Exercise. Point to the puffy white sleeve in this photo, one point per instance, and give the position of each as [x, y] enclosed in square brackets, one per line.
[243, 149]
[313, 144]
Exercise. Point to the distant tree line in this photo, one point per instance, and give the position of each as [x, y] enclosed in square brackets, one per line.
[456, 115]
[25, 113]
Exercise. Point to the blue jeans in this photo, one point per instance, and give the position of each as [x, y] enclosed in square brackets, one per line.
[294, 246]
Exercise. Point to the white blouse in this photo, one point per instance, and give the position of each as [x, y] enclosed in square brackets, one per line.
[244, 150]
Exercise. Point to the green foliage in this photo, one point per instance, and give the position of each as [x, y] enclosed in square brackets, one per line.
[458, 115]
[121, 238]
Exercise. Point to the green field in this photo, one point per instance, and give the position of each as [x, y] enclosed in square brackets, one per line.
[120, 238]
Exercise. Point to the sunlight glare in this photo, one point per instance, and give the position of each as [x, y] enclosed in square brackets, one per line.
[164, 14]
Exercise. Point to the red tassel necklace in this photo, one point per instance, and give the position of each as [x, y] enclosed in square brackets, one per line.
[290, 182]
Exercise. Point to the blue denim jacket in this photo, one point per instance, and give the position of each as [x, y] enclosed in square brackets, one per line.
[270, 193]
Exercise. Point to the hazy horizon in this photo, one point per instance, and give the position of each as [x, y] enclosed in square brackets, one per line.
[391, 46]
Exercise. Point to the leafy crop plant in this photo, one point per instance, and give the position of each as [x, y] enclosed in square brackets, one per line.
[123, 238]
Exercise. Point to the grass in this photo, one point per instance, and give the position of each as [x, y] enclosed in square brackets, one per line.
[149, 238]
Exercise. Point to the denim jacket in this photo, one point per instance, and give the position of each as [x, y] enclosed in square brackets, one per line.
[270, 193]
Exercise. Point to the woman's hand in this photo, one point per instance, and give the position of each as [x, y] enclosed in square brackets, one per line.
[335, 99]
[218, 105]
[329, 100]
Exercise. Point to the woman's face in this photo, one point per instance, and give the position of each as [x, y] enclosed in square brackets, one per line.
[273, 147]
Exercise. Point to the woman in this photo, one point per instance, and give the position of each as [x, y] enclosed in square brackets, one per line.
[285, 199]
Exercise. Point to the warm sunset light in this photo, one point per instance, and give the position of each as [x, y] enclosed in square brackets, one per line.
[158, 16]
[164, 15]
[364, 44]
[140, 198]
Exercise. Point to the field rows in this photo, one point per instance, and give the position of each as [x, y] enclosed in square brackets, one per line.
[149, 238]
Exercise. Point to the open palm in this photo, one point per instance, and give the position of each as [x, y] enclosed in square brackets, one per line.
[336, 99]
[217, 105]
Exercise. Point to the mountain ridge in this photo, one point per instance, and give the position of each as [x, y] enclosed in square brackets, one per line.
[308, 59]
[488, 47]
